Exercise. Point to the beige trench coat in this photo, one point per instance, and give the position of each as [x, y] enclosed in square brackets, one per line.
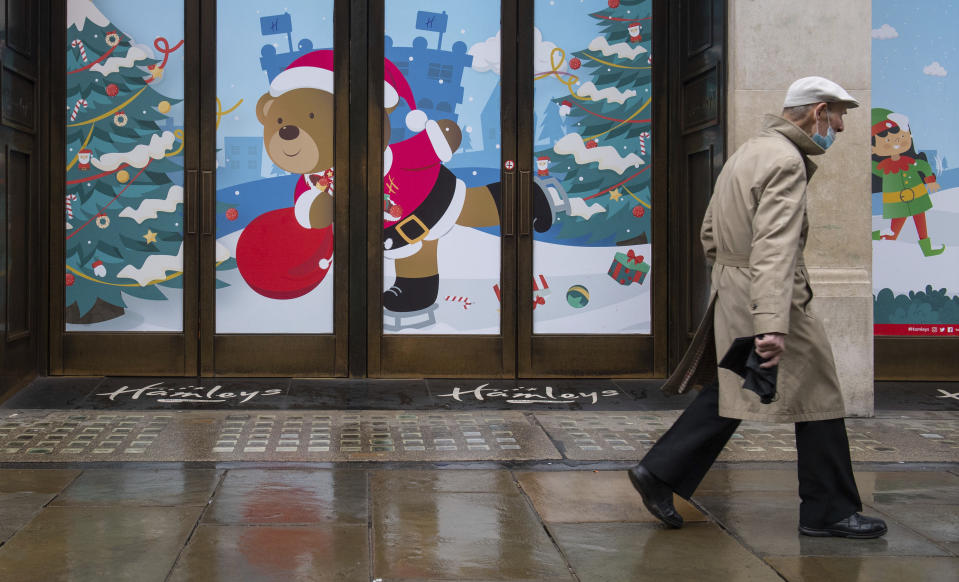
[754, 231]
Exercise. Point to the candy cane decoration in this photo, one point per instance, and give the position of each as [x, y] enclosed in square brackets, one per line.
[456, 299]
[76, 108]
[649, 59]
[642, 142]
[71, 198]
[83, 50]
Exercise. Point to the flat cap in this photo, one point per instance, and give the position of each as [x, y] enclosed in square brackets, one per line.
[817, 90]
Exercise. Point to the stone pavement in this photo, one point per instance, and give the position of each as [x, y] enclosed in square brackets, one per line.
[416, 481]
[430, 435]
[372, 521]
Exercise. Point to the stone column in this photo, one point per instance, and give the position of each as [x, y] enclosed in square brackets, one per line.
[771, 43]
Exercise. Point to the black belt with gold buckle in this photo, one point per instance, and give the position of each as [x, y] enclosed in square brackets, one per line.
[417, 225]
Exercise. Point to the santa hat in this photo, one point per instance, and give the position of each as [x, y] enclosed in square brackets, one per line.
[634, 25]
[314, 70]
[566, 103]
[542, 159]
[396, 87]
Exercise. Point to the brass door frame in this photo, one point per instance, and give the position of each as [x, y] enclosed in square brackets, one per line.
[297, 355]
[120, 353]
[613, 355]
[402, 356]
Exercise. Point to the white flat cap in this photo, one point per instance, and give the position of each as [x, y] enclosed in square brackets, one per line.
[817, 90]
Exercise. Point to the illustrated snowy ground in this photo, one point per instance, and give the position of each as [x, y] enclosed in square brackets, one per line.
[469, 267]
[900, 265]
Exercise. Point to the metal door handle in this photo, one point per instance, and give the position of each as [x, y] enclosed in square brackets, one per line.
[525, 177]
[209, 195]
[190, 200]
[508, 204]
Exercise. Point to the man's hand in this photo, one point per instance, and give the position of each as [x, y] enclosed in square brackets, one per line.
[771, 347]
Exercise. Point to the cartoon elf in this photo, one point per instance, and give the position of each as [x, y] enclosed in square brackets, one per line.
[907, 178]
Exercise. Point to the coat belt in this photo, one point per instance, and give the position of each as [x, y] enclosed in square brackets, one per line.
[732, 259]
[737, 260]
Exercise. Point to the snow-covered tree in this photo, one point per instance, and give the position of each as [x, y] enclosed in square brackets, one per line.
[603, 160]
[124, 211]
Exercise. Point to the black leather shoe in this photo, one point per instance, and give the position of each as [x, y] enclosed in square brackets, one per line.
[657, 496]
[856, 526]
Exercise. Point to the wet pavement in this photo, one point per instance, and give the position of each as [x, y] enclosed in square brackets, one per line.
[437, 480]
[473, 523]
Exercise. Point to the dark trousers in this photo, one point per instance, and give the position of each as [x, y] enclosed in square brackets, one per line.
[826, 484]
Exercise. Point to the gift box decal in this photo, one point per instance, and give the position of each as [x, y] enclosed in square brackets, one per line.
[628, 268]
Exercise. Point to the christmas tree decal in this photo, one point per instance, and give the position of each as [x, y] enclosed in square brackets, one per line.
[602, 161]
[124, 212]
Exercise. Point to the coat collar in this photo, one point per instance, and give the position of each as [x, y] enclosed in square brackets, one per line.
[806, 146]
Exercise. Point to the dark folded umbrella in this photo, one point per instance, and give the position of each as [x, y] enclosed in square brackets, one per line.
[742, 359]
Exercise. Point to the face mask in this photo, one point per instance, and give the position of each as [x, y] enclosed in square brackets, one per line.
[827, 140]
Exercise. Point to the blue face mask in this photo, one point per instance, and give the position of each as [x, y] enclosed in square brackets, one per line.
[827, 140]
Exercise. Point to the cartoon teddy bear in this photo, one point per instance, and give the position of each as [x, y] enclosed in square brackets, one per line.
[284, 254]
[287, 252]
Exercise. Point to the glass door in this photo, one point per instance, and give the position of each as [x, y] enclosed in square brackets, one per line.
[125, 240]
[274, 155]
[588, 190]
[442, 227]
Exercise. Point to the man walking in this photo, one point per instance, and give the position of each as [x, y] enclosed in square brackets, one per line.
[754, 231]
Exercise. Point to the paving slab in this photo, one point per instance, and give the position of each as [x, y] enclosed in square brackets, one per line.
[144, 487]
[17, 509]
[84, 436]
[271, 553]
[908, 487]
[461, 536]
[591, 496]
[290, 496]
[426, 482]
[873, 569]
[767, 523]
[139, 544]
[614, 552]
[36, 480]
[940, 523]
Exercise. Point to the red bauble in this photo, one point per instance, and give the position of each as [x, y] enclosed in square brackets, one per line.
[614, 3]
[396, 211]
[575, 63]
[232, 214]
[639, 211]
[112, 90]
[70, 279]
[591, 144]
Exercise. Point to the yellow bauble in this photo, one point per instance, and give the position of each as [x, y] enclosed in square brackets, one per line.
[164, 107]
[123, 176]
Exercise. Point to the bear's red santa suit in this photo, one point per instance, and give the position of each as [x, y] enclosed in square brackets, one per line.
[421, 198]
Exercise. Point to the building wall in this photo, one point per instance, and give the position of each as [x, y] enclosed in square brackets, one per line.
[771, 44]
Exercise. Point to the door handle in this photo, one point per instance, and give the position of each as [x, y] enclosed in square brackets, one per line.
[508, 204]
[525, 177]
[209, 195]
[192, 187]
